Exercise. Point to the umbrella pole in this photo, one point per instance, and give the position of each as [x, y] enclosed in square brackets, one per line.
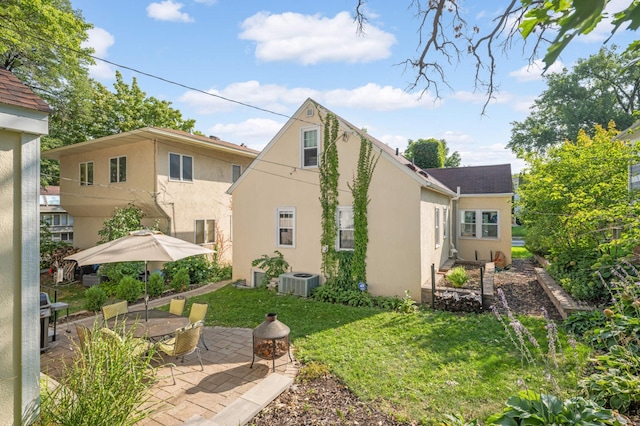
[146, 294]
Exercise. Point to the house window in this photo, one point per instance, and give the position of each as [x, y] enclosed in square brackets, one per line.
[345, 240]
[437, 230]
[118, 169]
[445, 223]
[286, 227]
[205, 231]
[86, 173]
[180, 167]
[310, 147]
[236, 171]
[486, 227]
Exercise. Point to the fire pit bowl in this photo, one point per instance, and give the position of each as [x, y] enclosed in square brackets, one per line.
[271, 340]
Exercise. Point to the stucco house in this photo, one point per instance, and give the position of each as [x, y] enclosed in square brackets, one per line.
[24, 118]
[59, 222]
[482, 209]
[178, 179]
[276, 207]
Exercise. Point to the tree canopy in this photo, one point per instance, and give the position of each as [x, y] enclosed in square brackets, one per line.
[599, 89]
[445, 37]
[431, 153]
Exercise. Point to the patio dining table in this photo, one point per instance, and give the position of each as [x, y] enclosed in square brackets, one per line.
[160, 323]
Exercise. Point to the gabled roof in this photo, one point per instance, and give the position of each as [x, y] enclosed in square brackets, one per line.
[146, 133]
[385, 150]
[14, 92]
[477, 179]
[630, 134]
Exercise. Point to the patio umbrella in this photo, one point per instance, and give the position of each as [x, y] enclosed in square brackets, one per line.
[144, 245]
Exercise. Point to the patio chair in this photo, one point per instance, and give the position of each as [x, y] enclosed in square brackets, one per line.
[197, 314]
[84, 336]
[140, 346]
[115, 309]
[184, 342]
[176, 307]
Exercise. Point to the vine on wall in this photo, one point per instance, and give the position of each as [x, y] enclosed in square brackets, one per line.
[360, 190]
[329, 176]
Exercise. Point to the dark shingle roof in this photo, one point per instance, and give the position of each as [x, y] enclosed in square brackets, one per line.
[14, 92]
[477, 179]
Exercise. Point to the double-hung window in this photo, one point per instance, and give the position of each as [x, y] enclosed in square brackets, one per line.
[437, 223]
[118, 169]
[445, 223]
[86, 173]
[286, 226]
[479, 224]
[345, 239]
[180, 167]
[310, 146]
[205, 231]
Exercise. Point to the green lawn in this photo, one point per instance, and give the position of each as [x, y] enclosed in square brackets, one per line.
[518, 231]
[419, 366]
[520, 253]
[71, 293]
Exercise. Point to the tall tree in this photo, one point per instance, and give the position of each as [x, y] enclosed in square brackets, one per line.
[431, 153]
[443, 31]
[599, 89]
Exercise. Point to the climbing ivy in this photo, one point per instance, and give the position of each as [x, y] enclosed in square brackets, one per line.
[329, 176]
[367, 161]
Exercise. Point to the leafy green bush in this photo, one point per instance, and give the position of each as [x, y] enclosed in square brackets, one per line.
[114, 272]
[95, 297]
[273, 266]
[156, 284]
[180, 280]
[199, 269]
[531, 408]
[581, 322]
[458, 276]
[107, 384]
[129, 289]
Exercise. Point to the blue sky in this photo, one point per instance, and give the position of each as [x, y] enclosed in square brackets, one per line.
[275, 54]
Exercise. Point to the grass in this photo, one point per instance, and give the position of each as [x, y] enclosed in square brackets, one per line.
[518, 231]
[71, 293]
[419, 367]
[520, 253]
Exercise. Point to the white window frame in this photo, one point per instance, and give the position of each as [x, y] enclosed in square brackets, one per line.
[279, 228]
[341, 228]
[208, 231]
[445, 223]
[437, 227]
[236, 171]
[118, 166]
[303, 131]
[481, 228]
[182, 177]
[84, 177]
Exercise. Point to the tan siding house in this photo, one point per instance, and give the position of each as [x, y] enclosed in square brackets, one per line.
[482, 212]
[24, 118]
[276, 207]
[179, 180]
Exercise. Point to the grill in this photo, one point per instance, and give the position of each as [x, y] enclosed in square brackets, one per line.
[271, 340]
[45, 314]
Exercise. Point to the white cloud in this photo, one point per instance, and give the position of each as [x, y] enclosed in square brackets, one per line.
[484, 155]
[533, 71]
[455, 137]
[254, 132]
[395, 141]
[310, 39]
[378, 98]
[168, 10]
[480, 98]
[100, 40]
[207, 2]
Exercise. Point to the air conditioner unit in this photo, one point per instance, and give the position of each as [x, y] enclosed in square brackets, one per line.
[298, 283]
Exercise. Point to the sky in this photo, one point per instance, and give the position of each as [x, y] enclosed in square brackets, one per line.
[263, 59]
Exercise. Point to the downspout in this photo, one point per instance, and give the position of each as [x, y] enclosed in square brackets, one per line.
[453, 209]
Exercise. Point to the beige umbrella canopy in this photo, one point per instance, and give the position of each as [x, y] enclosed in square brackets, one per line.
[143, 245]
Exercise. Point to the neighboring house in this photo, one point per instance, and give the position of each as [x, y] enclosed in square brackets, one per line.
[515, 213]
[179, 180]
[276, 207]
[482, 209]
[24, 118]
[59, 222]
[632, 134]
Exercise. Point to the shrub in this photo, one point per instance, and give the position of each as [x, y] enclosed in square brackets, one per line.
[180, 281]
[114, 272]
[458, 276]
[129, 289]
[272, 266]
[95, 297]
[107, 384]
[199, 269]
[155, 285]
